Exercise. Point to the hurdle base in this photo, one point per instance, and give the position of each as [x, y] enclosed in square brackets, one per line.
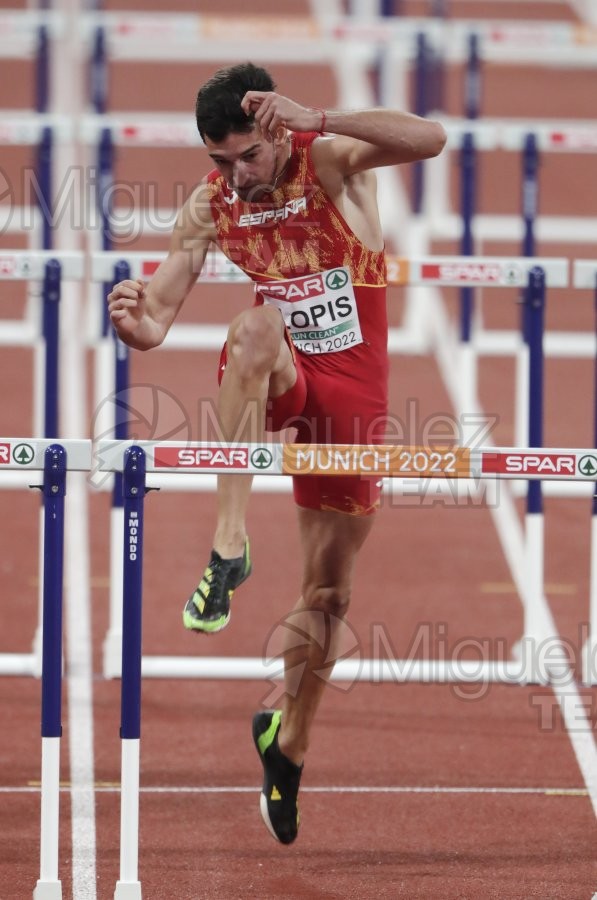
[128, 890]
[530, 670]
[18, 664]
[376, 671]
[589, 662]
[48, 890]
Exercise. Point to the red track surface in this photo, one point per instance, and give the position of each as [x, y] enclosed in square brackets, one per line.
[487, 799]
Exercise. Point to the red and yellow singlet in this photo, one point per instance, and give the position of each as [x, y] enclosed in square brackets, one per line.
[331, 291]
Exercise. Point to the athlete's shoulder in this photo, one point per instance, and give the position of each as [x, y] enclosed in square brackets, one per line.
[195, 218]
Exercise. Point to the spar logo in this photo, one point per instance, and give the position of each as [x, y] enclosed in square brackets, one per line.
[13, 265]
[472, 273]
[295, 288]
[166, 135]
[574, 140]
[8, 265]
[4, 454]
[561, 464]
[149, 267]
[201, 457]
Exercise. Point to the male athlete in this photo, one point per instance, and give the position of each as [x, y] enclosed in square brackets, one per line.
[292, 201]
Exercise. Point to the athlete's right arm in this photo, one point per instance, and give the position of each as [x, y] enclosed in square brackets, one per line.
[142, 313]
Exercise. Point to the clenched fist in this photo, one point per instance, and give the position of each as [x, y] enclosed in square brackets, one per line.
[126, 305]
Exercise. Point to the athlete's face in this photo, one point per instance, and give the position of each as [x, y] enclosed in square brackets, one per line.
[250, 162]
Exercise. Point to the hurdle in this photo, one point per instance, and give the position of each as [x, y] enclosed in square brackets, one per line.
[33, 455]
[537, 274]
[50, 269]
[135, 460]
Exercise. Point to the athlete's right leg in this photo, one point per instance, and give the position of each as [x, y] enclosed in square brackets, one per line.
[331, 541]
[259, 364]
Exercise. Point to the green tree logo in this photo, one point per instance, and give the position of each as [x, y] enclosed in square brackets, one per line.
[23, 454]
[587, 466]
[261, 458]
[336, 279]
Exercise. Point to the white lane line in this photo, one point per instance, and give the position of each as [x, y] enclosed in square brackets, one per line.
[330, 789]
[66, 98]
[512, 539]
[80, 694]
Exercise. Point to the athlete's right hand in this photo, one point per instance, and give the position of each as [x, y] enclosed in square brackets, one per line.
[126, 305]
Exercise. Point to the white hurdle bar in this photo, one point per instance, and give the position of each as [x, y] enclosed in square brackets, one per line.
[19, 31]
[170, 459]
[176, 36]
[26, 128]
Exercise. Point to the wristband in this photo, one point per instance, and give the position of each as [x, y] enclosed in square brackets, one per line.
[323, 118]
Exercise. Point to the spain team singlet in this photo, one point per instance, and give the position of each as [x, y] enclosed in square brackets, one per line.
[330, 289]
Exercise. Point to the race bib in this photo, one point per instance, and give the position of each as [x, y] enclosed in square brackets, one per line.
[320, 310]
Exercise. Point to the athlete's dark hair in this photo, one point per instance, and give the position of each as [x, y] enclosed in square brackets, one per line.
[218, 111]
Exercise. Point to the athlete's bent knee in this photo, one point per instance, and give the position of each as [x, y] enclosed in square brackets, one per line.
[331, 600]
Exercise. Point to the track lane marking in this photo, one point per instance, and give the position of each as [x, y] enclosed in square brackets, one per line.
[114, 787]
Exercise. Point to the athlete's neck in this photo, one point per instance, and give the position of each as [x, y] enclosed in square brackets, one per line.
[276, 177]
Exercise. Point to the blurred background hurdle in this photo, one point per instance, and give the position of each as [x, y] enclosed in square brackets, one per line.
[26, 36]
[125, 36]
[475, 231]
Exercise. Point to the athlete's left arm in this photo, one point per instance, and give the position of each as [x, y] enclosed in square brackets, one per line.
[370, 138]
[364, 139]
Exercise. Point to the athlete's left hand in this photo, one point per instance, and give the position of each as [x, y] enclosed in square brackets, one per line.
[272, 110]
